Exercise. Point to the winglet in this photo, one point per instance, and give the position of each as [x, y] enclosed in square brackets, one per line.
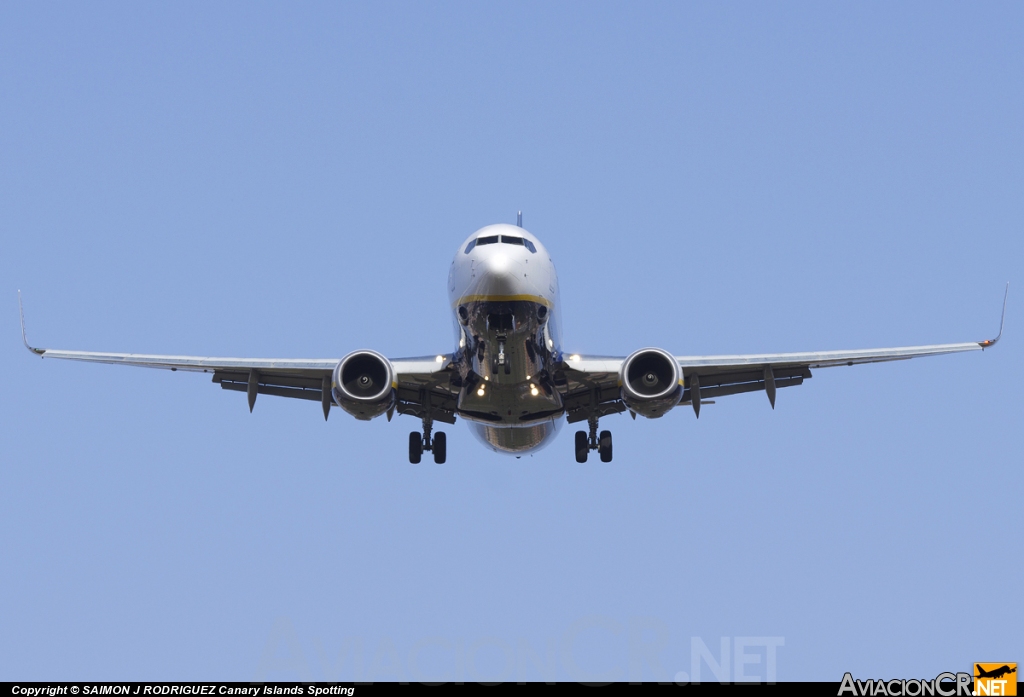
[992, 342]
[24, 338]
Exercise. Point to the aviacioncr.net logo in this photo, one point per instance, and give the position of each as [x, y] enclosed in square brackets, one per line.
[943, 685]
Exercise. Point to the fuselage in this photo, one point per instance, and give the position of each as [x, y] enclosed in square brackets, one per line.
[503, 291]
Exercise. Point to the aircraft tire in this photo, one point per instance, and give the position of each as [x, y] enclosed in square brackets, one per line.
[415, 447]
[605, 446]
[440, 447]
[582, 446]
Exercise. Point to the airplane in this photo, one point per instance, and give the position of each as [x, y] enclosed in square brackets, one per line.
[507, 376]
[996, 673]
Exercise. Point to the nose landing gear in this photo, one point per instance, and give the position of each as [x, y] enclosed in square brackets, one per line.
[601, 443]
[501, 360]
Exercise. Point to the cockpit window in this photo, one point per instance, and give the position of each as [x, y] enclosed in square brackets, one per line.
[504, 239]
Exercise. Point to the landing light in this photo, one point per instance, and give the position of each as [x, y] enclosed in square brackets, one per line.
[574, 357]
[440, 359]
[480, 392]
[533, 390]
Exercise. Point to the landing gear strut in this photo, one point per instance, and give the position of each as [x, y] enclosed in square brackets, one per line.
[601, 443]
[419, 443]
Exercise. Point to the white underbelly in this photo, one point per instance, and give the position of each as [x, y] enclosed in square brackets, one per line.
[517, 440]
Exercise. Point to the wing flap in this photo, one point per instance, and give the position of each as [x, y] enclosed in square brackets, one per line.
[294, 393]
[439, 403]
[737, 382]
[295, 386]
[582, 413]
[600, 397]
[279, 380]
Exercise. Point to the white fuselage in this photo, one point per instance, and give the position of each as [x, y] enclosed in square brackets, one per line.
[503, 291]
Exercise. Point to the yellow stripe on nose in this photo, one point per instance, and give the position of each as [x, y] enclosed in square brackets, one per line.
[540, 300]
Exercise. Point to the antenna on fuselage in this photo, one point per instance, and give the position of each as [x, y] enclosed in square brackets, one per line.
[519, 219]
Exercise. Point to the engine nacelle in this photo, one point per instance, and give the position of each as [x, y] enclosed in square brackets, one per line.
[363, 384]
[651, 382]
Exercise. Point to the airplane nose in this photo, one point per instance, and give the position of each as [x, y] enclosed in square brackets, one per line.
[498, 274]
[497, 263]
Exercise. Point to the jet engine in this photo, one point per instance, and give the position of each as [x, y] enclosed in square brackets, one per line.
[651, 382]
[363, 384]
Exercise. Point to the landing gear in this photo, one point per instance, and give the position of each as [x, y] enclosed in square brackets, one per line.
[438, 444]
[582, 446]
[602, 444]
[501, 359]
[415, 447]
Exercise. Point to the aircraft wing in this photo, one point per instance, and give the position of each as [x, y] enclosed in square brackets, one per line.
[422, 383]
[592, 382]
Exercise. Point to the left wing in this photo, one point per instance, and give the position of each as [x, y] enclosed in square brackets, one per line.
[422, 383]
[591, 383]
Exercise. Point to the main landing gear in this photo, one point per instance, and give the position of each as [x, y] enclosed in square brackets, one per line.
[601, 443]
[418, 443]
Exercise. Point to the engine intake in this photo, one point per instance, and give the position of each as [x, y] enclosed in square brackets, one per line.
[363, 384]
[651, 382]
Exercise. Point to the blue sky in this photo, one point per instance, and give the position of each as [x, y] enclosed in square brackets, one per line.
[280, 180]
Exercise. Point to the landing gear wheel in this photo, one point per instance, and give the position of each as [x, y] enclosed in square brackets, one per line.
[582, 446]
[415, 447]
[604, 446]
[440, 447]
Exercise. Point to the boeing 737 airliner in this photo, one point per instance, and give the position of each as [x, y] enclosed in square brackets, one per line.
[507, 376]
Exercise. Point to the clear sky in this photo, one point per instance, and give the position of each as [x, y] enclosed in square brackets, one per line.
[282, 180]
